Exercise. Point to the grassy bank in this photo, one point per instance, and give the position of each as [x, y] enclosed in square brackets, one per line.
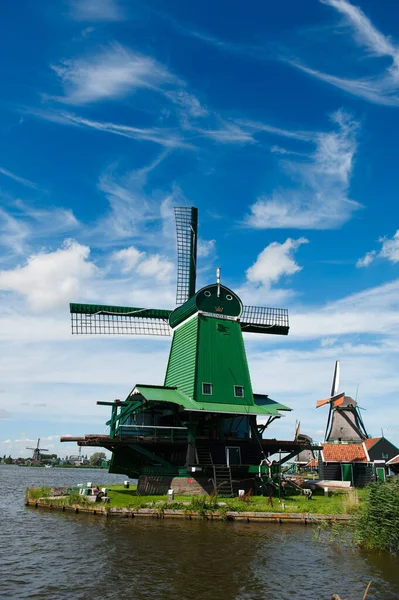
[339, 502]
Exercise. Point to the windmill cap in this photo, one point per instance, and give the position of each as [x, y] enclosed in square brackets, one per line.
[208, 300]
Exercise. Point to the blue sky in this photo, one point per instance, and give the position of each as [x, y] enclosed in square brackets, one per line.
[279, 121]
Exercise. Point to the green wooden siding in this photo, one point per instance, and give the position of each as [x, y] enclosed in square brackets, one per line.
[222, 362]
[181, 366]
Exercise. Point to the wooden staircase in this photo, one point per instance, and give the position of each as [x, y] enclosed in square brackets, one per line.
[222, 480]
[204, 455]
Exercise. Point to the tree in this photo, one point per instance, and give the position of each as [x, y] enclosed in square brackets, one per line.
[97, 458]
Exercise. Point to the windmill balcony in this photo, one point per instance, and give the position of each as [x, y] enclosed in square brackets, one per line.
[153, 433]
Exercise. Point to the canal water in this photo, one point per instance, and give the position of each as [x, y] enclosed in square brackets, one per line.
[54, 555]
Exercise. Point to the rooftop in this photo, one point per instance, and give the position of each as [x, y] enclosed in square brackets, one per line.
[344, 453]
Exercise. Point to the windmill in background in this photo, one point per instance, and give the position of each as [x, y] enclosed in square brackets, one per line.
[37, 451]
[344, 422]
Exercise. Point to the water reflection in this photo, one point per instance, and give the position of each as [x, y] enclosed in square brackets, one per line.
[63, 555]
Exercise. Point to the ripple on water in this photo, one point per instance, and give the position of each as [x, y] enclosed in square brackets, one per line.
[56, 556]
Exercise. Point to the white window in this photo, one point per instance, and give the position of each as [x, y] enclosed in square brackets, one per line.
[238, 391]
[207, 389]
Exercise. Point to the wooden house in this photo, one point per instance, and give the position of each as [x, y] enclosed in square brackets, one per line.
[346, 462]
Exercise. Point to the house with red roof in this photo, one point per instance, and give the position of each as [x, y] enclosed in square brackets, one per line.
[339, 461]
[358, 463]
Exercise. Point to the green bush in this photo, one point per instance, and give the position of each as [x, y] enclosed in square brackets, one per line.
[378, 524]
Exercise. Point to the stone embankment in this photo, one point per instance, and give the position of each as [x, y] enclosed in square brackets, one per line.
[164, 513]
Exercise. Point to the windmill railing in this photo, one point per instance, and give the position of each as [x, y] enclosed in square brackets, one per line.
[153, 433]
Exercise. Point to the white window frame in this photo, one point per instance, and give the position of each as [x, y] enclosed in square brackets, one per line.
[235, 391]
[204, 393]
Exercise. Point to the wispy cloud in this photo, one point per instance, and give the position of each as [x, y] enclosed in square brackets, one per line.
[167, 137]
[255, 126]
[389, 250]
[13, 232]
[137, 211]
[109, 74]
[318, 197]
[226, 132]
[381, 88]
[96, 10]
[20, 180]
[21, 225]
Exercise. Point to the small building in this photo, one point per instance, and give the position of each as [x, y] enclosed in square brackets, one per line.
[380, 449]
[346, 462]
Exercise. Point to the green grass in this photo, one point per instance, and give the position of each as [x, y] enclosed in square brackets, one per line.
[339, 502]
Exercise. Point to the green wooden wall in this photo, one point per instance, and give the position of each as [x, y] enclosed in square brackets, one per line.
[222, 361]
[182, 358]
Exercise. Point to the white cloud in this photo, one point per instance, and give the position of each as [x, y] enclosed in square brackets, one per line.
[367, 259]
[49, 279]
[21, 180]
[96, 10]
[205, 247]
[389, 250]
[319, 199]
[275, 261]
[129, 257]
[382, 88]
[113, 73]
[147, 265]
[156, 267]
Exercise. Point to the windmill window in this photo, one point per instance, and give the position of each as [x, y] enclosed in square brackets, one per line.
[207, 389]
[238, 391]
[229, 297]
[207, 293]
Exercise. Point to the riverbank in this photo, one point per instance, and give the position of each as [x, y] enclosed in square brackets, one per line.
[126, 503]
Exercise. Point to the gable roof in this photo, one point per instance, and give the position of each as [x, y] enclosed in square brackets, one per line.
[344, 453]
[394, 460]
[370, 442]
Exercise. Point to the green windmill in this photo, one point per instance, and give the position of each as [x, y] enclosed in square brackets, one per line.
[200, 428]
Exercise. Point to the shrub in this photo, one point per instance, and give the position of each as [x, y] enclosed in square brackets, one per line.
[378, 525]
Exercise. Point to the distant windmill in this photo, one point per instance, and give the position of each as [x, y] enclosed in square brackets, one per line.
[37, 451]
[344, 422]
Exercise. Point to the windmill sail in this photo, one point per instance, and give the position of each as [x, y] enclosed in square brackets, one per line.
[335, 381]
[259, 319]
[98, 319]
[186, 230]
